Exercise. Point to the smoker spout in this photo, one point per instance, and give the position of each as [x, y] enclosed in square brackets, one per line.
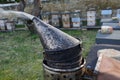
[52, 38]
[18, 14]
[62, 51]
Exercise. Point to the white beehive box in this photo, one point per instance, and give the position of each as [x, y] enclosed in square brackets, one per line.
[76, 22]
[55, 20]
[45, 18]
[75, 17]
[66, 19]
[118, 14]
[2, 24]
[10, 25]
[91, 18]
[106, 15]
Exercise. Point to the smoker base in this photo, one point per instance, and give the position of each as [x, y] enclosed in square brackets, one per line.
[63, 74]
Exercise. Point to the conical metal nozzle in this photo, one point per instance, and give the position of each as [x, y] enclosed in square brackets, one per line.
[52, 38]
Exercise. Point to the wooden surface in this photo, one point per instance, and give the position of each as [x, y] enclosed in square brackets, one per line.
[109, 69]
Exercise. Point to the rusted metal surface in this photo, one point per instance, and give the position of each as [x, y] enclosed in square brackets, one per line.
[62, 51]
[62, 56]
[63, 74]
[65, 65]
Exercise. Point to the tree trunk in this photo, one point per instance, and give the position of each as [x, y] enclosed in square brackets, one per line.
[36, 11]
[22, 5]
[37, 8]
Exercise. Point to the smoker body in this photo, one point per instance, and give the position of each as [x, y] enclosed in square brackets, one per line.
[62, 53]
[63, 74]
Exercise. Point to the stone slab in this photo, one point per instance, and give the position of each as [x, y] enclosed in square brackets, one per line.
[92, 55]
[113, 38]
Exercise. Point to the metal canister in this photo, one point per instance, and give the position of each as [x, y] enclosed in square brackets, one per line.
[62, 53]
[64, 59]
[63, 74]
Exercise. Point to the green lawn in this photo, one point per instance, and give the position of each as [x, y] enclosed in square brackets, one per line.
[21, 53]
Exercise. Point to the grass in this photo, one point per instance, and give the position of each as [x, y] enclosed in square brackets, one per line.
[19, 26]
[21, 53]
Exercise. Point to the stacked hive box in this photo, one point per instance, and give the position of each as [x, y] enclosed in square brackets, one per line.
[75, 19]
[91, 17]
[55, 19]
[106, 15]
[66, 19]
